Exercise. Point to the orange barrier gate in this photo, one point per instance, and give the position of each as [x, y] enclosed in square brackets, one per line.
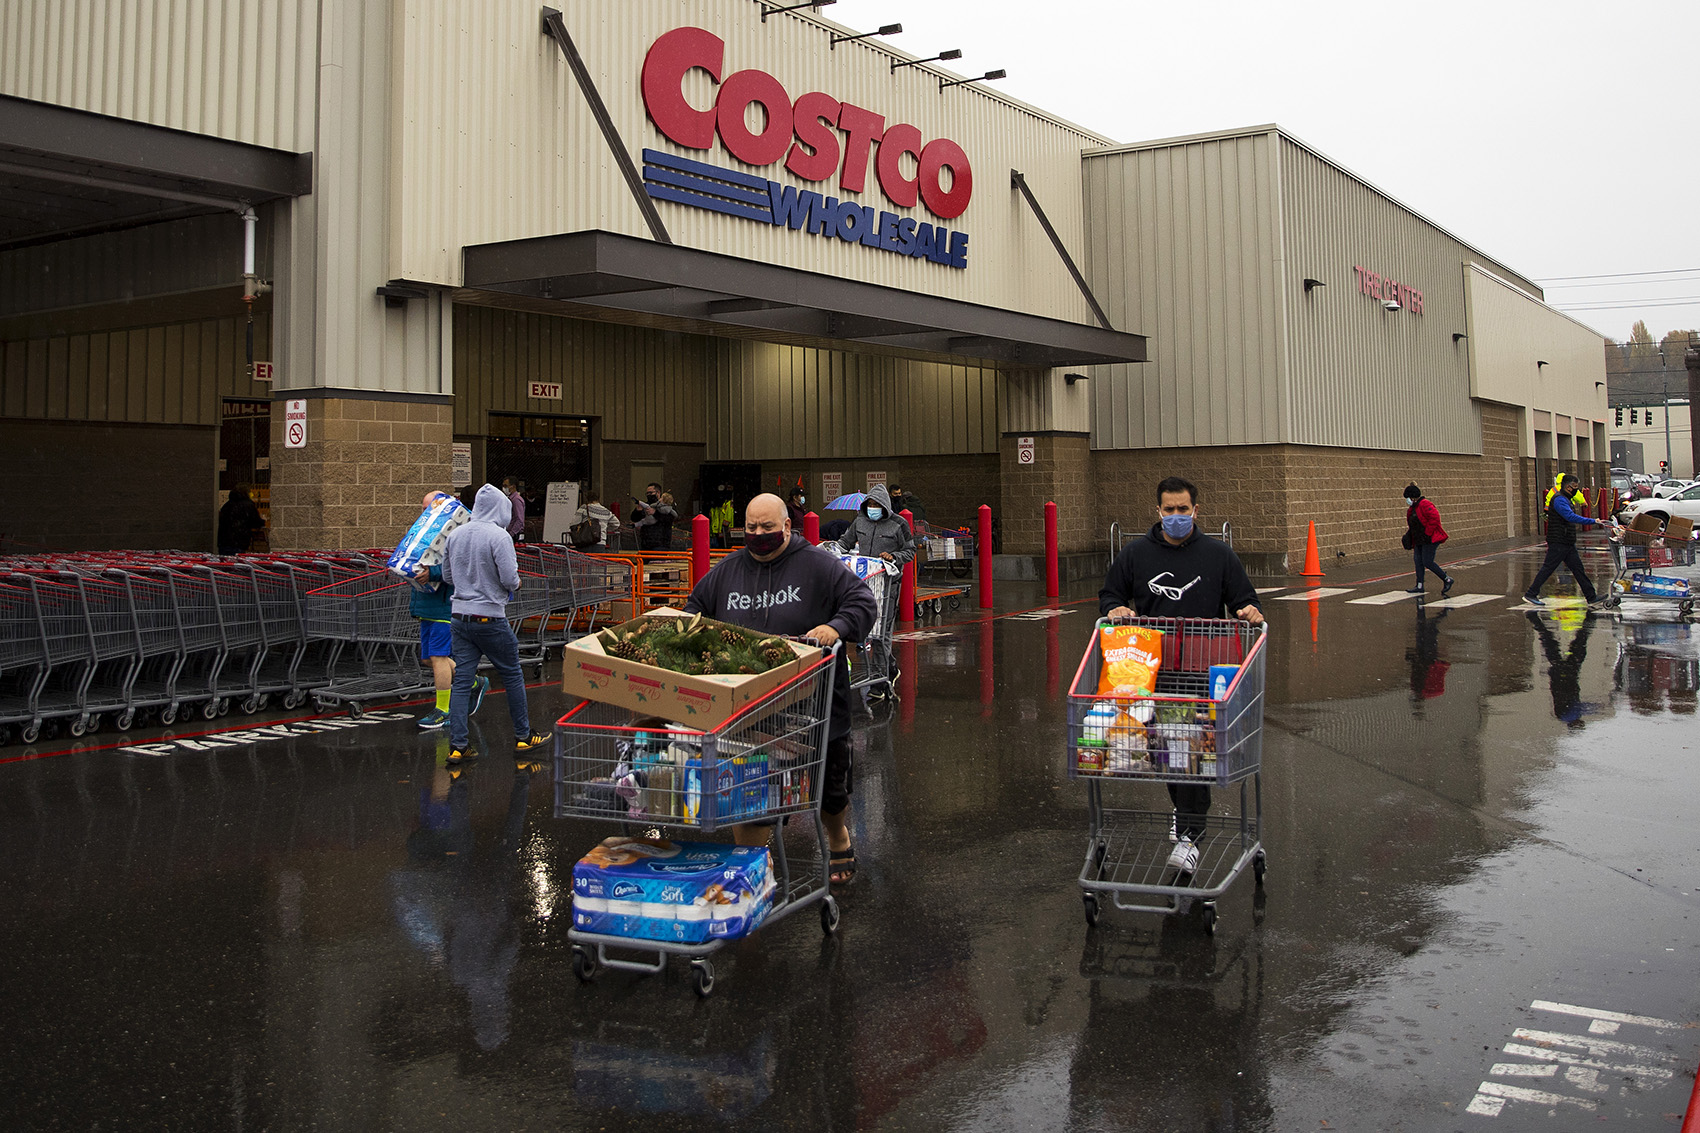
[659, 578]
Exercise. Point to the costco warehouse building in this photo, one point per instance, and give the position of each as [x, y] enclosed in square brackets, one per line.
[687, 241]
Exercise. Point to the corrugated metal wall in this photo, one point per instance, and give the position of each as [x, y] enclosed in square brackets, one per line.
[1361, 376]
[158, 259]
[495, 142]
[645, 385]
[1182, 246]
[1509, 333]
[792, 402]
[744, 400]
[169, 375]
[245, 70]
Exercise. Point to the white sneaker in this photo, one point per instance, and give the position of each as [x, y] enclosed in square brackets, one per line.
[1173, 836]
[1184, 857]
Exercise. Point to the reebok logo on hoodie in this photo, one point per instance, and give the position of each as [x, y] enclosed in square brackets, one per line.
[736, 600]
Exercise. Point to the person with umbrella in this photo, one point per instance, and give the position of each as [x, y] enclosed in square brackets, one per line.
[879, 532]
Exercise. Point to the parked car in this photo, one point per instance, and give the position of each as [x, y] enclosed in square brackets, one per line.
[1665, 489]
[1623, 483]
[1685, 503]
[1643, 485]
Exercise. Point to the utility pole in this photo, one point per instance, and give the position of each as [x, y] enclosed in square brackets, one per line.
[1691, 360]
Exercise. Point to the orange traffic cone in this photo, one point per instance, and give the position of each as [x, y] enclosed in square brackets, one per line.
[1313, 563]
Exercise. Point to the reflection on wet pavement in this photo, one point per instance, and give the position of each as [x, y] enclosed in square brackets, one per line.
[1470, 811]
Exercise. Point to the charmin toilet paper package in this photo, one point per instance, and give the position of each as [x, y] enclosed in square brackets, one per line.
[423, 544]
[683, 892]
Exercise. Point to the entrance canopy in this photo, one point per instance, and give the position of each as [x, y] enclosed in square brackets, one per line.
[710, 293]
[67, 173]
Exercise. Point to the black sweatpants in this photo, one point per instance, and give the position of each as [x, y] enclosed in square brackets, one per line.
[1192, 803]
[1565, 555]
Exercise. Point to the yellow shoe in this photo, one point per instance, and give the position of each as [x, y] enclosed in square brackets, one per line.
[536, 739]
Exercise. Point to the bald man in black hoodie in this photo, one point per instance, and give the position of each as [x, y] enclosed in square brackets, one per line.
[779, 583]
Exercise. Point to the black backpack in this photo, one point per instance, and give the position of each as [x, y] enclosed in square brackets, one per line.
[587, 532]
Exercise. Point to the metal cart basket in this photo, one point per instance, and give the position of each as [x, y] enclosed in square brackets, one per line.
[762, 765]
[1179, 734]
[871, 663]
[1654, 578]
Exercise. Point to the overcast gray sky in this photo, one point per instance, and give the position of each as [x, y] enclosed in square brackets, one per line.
[1558, 136]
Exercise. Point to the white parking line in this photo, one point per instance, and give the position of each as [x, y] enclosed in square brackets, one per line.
[1575, 1062]
[1617, 1017]
[1459, 601]
[1387, 599]
[1312, 593]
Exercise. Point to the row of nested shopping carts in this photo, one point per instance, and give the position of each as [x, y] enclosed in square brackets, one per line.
[140, 636]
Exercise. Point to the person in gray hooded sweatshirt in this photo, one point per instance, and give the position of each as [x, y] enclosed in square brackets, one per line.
[480, 564]
[878, 532]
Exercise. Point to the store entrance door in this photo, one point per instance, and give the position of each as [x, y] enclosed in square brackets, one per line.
[244, 457]
[538, 451]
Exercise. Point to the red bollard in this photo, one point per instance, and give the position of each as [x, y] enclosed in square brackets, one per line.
[1051, 572]
[699, 549]
[811, 528]
[906, 596]
[985, 541]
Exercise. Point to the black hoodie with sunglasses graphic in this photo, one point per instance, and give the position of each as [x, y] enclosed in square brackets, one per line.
[1201, 578]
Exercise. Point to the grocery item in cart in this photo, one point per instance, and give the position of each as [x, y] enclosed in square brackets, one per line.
[424, 542]
[1133, 655]
[683, 892]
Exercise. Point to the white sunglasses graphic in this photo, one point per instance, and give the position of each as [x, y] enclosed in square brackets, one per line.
[1172, 593]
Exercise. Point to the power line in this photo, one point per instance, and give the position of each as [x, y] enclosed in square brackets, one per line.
[1616, 275]
[1621, 283]
[1679, 301]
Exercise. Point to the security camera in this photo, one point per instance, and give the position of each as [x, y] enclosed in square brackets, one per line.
[1391, 305]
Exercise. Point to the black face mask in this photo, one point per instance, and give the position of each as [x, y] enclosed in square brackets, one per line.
[766, 542]
[651, 496]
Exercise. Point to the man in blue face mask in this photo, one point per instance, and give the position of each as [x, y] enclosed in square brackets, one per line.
[1177, 571]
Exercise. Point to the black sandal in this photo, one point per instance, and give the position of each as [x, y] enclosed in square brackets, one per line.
[842, 866]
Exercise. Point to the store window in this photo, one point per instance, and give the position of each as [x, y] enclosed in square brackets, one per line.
[539, 451]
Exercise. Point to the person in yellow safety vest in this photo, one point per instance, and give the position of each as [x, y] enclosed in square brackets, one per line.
[720, 518]
[1579, 499]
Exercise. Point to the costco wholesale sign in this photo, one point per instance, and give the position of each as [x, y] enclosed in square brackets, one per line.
[818, 137]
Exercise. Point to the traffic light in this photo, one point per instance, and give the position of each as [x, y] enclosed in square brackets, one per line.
[1620, 417]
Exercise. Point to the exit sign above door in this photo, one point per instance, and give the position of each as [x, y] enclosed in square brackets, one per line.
[545, 391]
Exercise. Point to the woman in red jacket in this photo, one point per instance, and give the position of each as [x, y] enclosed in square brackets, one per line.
[1423, 536]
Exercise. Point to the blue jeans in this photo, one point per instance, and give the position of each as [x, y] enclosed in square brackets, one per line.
[1423, 554]
[495, 640]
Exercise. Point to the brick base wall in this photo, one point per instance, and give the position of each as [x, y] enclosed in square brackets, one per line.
[360, 478]
[1061, 472]
[83, 486]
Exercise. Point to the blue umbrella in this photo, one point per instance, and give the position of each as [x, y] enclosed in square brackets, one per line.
[848, 502]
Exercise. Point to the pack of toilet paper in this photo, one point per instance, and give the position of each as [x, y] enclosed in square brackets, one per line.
[424, 542]
[683, 892]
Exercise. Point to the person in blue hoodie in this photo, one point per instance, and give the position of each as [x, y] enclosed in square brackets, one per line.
[480, 564]
[1562, 522]
[429, 604]
[778, 583]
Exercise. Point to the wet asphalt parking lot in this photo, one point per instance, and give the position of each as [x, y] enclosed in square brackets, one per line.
[1479, 913]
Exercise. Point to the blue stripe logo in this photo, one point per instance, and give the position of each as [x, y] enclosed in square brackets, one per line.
[696, 184]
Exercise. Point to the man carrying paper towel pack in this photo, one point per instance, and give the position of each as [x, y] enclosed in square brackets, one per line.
[479, 562]
[1176, 571]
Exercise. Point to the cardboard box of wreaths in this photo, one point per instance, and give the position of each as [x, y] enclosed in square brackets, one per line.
[702, 702]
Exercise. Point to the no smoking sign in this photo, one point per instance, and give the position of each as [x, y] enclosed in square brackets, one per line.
[1024, 450]
[295, 424]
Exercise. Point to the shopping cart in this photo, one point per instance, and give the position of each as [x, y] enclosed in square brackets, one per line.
[1654, 577]
[945, 549]
[871, 664]
[765, 764]
[373, 641]
[1179, 734]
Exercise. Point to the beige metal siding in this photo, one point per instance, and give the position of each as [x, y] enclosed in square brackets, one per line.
[165, 375]
[1182, 246]
[245, 70]
[1509, 333]
[644, 385]
[776, 402]
[495, 142]
[1363, 377]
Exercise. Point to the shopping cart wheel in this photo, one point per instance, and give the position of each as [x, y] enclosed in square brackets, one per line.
[829, 915]
[78, 727]
[1259, 866]
[1210, 918]
[702, 977]
[29, 733]
[224, 706]
[124, 719]
[293, 699]
[168, 715]
[584, 963]
[1090, 900]
[251, 705]
[209, 710]
[94, 723]
[355, 711]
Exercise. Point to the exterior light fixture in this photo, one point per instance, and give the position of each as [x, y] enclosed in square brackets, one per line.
[1311, 284]
[953, 53]
[1456, 335]
[1070, 379]
[1540, 363]
[888, 29]
[1391, 305]
[766, 11]
[1000, 73]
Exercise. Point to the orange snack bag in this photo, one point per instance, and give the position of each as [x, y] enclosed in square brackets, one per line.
[1132, 657]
